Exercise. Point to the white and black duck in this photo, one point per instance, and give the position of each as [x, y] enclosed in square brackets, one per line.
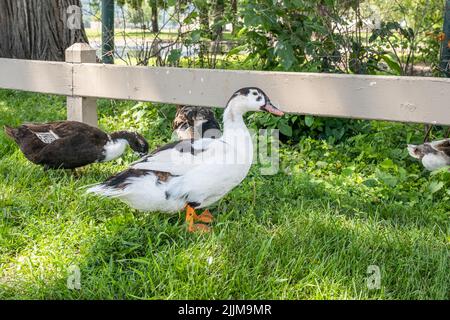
[192, 174]
[433, 155]
[72, 144]
[195, 122]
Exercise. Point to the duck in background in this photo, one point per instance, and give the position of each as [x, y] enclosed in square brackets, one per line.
[192, 174]
[195, 123]
[433, 155]
[72, 144]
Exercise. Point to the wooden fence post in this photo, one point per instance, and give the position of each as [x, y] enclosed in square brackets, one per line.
[81, 108]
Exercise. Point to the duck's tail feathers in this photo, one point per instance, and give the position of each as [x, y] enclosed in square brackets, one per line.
[104, 191]
[116, 185]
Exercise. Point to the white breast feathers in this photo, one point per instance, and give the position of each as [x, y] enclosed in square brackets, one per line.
[114, 149]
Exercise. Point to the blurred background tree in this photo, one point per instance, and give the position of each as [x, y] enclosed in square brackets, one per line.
[39, 29]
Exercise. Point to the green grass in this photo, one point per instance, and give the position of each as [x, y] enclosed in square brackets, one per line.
[309, 232]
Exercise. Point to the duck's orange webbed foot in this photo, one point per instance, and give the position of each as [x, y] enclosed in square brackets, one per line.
[205, 217]
[192, 217]
[199, 227]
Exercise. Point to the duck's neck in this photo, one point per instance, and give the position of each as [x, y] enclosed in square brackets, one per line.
[116, 146]
[233, 120]
[236, 135]
[121, 135]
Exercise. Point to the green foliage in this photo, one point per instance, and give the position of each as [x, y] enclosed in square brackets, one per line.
[414, 28]
[333, 36]
[294, 127]
[398, 38]
[362, 37]
[276, 35]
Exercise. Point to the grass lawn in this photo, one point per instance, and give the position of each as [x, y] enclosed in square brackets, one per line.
[309, 232]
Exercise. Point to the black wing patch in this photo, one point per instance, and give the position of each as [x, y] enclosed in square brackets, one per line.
[182, 146]
[428, 148]
[444, 147]
[121, 180]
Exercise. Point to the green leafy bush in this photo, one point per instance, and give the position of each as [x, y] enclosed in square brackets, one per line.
[294, 127]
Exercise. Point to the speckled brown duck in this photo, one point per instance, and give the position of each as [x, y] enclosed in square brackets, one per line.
[195, 123]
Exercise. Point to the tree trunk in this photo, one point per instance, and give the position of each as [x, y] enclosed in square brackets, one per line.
[154, 7]
[219, 12]
[39, 29]
[203, 12]
[204, 18]
[234, 12]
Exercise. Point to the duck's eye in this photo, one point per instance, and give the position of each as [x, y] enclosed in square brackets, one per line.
[255, 93]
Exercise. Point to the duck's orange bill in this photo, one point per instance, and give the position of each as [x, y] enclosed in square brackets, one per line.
[269, 107]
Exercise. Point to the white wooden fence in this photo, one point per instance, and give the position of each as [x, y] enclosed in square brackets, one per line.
[406, 99]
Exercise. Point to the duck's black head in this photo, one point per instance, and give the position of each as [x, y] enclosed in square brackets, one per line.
[135, 140]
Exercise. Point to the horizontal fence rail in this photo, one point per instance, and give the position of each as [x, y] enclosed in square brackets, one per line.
[36, 76]
[406, 99]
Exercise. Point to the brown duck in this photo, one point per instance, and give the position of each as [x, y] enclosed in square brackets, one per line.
[195, 123]
[71, 144]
